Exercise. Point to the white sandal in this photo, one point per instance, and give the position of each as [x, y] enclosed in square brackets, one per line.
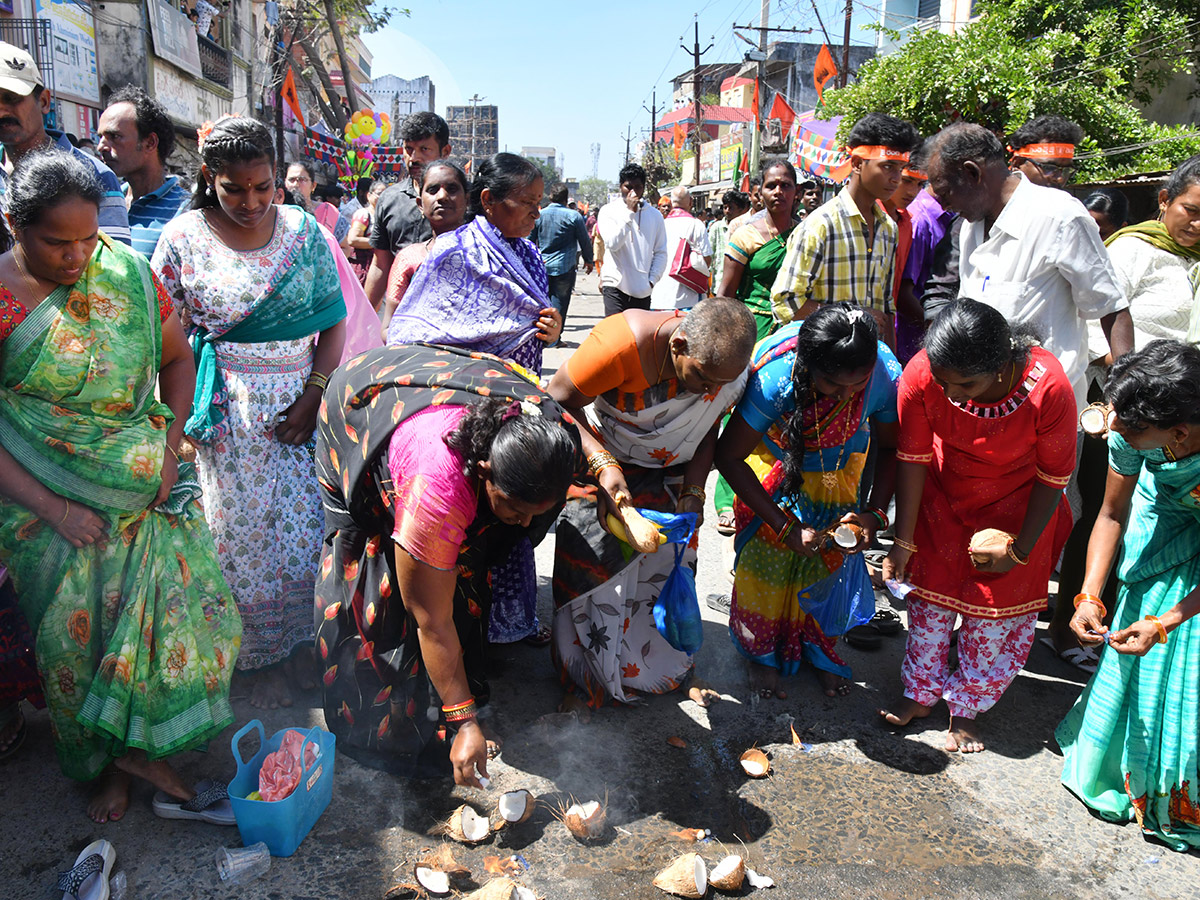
[88, 878]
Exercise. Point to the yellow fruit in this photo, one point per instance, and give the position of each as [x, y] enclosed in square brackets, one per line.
[617, 527]
[254, 795]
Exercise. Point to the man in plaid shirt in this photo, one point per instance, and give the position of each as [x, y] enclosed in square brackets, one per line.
[845, 250]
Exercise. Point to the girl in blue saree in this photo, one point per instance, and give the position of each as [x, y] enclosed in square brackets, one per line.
[255, 285]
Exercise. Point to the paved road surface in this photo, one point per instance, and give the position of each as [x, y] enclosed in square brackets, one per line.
[856, 811]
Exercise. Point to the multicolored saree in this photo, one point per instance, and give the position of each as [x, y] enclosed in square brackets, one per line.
[135, 638]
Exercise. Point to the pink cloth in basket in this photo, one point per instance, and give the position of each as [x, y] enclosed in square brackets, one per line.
[281, 770]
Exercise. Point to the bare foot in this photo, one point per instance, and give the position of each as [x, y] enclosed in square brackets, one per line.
[572, 704]
[964, 736]
[268, 689]
[701, 694]
[158, 772]
[905, 711]
[111, 798]
[833, 685]
[301, 669]
[765, 680]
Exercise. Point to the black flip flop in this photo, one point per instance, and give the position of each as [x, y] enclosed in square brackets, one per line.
[886, 622]
[864, 637]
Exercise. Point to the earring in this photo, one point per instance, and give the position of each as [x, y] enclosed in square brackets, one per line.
[999, 376]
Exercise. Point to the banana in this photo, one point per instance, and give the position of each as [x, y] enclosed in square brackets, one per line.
[617, 527]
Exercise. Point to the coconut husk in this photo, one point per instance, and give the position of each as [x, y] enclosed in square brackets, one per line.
[496, 889]
[846, 535]
[510, 809]
[586, 821]
[442, 860]
[728, 874]
[755, 763]
[1096, 420]
[463, 826]
[433, 881]
[687, 876]
[635, 529]
[984, 544]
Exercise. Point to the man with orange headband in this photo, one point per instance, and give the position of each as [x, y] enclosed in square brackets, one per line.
[1043, 150]
[845, 249]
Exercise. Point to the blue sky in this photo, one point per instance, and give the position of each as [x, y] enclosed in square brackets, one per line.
[567, 74]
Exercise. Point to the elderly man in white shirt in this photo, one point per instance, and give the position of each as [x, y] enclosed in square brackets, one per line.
[1031, 252]
[680, 226]
[635, 245]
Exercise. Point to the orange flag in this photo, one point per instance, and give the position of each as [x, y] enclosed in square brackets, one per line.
[290, 96]
[824, 70]
[784, 113]
[756, 125]
[678, 135]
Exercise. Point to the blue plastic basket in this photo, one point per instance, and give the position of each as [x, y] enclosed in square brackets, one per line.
[281, 824]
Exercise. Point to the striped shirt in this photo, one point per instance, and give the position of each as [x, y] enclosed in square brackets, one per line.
[148, 214]
[830, 257]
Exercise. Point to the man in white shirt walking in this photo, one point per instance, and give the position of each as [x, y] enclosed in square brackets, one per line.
[635, 245]
[680, 225]
[1031, 252]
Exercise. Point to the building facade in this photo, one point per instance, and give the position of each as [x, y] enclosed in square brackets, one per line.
[400, 97]
[474, 132]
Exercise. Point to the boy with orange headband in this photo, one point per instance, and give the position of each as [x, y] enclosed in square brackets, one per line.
[845, 250]
[1043, 149]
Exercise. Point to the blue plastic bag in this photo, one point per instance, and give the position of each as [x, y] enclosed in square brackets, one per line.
[677, 610]
[842, 600]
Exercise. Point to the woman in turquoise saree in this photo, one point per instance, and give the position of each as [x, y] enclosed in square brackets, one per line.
[1131, 743]
[135, 632]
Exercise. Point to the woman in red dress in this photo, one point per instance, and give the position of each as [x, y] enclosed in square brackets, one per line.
[987, 441]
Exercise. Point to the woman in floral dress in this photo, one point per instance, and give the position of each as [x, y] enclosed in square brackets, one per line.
[255, 285]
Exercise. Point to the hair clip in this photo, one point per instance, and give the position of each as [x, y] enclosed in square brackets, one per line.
[855, 315]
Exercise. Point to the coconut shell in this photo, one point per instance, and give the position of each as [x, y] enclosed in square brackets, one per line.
[640, 533]
[732, 878]
[755, 763]
[1094, 420]
[496, 889]
[512, 798]
[472, 833]
[432, 880]
[986, 542]
[687, 876]
[442, 860]
[587, 821]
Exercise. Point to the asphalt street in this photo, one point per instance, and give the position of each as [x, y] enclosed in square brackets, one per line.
[856, 809]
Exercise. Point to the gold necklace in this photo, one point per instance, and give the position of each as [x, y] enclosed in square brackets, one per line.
[828, 479]
[663, 365]
[25, 274]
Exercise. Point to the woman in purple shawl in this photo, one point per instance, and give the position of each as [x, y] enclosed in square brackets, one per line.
[484, 287]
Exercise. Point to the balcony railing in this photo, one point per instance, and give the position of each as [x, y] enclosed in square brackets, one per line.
[216, 63]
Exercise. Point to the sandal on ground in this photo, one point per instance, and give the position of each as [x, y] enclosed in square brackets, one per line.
[88, 878]
[211, 804]
[1086, 659]
[886, 622]
[539, 638]
[864, 637]
[726, 523]
[18, 737]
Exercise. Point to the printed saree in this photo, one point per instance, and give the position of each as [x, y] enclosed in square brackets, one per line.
[479, 290]
[135, 638]
[379, 700]
[1131, 743]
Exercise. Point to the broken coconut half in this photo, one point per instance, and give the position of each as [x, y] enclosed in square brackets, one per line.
[755, 763]
[467, 826]
[728, 874]
[502, 889]
[515, 807]
[436, 870]
[587, 821]
[687, 876]
[437, 883]
[846, 535]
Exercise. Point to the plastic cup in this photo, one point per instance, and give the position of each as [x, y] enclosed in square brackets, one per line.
[237, 865]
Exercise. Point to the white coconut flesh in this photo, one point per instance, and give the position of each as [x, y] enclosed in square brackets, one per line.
[701, 871]
[474, 826]
[433, 881]
[844, 536]
[513, 805]
[753, 767]
[585, 811]
[1092, 420]
[726, 867]
[523, 893]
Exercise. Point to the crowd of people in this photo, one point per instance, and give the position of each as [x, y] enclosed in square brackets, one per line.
[245, 429]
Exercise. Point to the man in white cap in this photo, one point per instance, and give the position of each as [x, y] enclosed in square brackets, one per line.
[24, 101]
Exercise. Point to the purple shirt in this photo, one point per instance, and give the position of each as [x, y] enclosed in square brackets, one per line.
[929, 225]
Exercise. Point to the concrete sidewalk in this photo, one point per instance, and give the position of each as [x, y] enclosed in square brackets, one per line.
[856, 810]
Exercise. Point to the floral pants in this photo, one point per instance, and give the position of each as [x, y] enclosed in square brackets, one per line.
[990, 654]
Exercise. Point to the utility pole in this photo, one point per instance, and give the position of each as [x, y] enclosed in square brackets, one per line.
[653, 110]
[697, 117]
[846, 44]
[756, 137]
[820, 22]
[628, 135]
[475, 99]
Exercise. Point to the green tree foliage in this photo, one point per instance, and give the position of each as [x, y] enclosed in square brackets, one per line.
[1088, 60]
[550, 178]
[594, 191]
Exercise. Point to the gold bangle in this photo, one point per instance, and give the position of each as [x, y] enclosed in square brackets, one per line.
[601, 460]
[694, 490]
[1011, 550]
[1090, 598]
[1162, 630]
[317, 380]
[66, 512]
[170, 450]
[904, 545]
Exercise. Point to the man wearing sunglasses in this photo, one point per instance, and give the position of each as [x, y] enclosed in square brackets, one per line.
[1043, 149]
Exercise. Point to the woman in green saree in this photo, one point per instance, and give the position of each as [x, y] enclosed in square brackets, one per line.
[1132, 742]
[135, 633]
